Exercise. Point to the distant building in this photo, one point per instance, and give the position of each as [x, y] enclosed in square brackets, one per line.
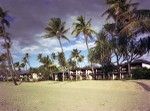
[140, 63]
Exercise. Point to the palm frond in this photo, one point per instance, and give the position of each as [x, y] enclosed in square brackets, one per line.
[64, 37]
[142, 14]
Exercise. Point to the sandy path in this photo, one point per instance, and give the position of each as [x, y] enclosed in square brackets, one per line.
[144, 85]
[5, 105]
[145, 93]
[134, 95]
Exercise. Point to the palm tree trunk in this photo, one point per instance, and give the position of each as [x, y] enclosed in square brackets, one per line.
[63, 76]
[10, 67]
[76, 69]
[62, 52]
[76, 75]
[88, 53]
[9, 58]
[60, 45]
[119, 69]
[129, 68]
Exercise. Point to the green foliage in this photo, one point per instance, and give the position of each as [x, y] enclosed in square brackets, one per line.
[72, 64]
[108, 68]
[47, 68]
[83, 26]
[101, 53]
[46, 73]
[3, 20]
[62, 59]
[141, 73]
[56, 29]
[3, 57]
[76, 57]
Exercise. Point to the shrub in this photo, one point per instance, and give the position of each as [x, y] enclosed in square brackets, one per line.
[141, 73]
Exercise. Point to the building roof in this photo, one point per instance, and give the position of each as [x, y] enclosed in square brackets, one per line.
[141, 61]
[23, 72]
[138, 61]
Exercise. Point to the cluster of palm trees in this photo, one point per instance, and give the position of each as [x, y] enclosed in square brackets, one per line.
[117, 42]
[24, 64]
[119, 39]
[56, 28]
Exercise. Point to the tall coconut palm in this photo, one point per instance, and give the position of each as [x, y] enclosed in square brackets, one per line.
[5, 23]
[7, 45]
[56, 29]
[85, 27]
[75, 55]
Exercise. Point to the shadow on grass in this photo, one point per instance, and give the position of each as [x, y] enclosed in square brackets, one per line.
[145, 86]
[61, 82]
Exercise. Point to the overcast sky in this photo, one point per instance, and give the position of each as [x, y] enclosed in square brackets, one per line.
[30, 17]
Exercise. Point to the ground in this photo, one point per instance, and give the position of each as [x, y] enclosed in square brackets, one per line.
[76, 96]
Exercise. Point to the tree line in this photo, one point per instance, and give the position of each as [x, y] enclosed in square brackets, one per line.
[117, 42]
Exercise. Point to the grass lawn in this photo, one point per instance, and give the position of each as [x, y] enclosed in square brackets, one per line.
[74, 96]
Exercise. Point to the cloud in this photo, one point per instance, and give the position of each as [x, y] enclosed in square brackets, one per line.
[30, 17]
[48, 46]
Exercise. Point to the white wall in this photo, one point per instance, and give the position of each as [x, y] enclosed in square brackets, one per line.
[146, 65]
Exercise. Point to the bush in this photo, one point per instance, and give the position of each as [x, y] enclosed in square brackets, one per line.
[141, 73]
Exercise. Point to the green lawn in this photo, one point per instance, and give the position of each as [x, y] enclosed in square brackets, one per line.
[74, 96]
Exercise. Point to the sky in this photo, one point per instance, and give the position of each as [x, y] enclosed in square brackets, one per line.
[29, 18]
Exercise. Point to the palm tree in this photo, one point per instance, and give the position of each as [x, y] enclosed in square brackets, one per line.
[7, 45]
[135, 22]
[25, 60]
[25, 63]
[53, 57]
[118, 7]
[75, 56]
[39, 57]
[56, 28]
[3, 66]
[62, 62]
[47, 64]
[85, 27]
[17, 65]
[101, 53]
[71, 64]
[129, 22]
[4, 22]
[109, 28]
